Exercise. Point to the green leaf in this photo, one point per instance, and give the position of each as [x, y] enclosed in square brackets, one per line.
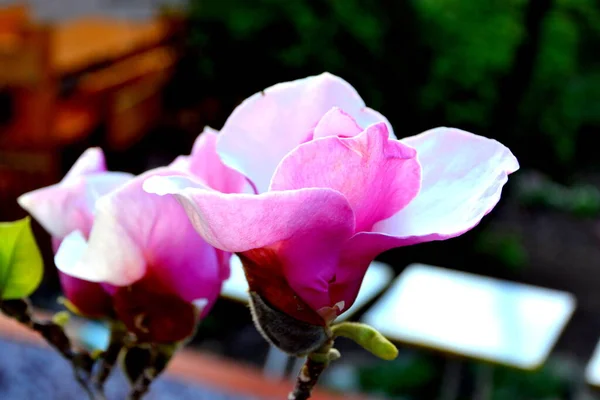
[21, 265]
[367, 337]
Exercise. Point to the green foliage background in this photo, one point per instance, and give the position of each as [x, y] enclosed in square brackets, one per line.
[420, 62]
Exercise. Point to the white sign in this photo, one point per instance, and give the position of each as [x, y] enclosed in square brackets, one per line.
[474, 316]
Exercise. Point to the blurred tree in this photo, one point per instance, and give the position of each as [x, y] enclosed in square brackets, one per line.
[474, 44]
[547, 383]
[247, 46]
[523, 71]
[564, 94]
[515, 83]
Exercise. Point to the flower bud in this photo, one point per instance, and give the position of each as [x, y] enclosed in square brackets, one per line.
[292, 336]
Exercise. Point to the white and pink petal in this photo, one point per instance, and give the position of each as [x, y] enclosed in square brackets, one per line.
[378, 176]
[70, 205]
[91, 161]
[304, 229]
[463, 177]
[271, 123]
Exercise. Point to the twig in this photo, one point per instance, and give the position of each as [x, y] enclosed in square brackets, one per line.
[158, 357]
[309, 375]
[142, 383]
[108, 358]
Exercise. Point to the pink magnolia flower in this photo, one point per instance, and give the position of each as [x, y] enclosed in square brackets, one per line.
[160, 273]
[68, 206]
[130, 255]
[334, 188]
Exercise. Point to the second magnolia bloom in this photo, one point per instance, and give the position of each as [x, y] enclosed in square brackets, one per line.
[333, 189]
[124, 254]
[69, 206]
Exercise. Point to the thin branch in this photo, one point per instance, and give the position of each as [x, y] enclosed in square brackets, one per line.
[153, 361]
[142, 384]
[108, 358]
[312, 369]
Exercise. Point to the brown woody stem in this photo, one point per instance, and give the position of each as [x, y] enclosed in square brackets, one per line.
[108, 358]
[142, 384]
[315, 364]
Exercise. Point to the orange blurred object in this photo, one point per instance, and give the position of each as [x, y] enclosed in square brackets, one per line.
[116, 68]
[87, 41]
[13, 16]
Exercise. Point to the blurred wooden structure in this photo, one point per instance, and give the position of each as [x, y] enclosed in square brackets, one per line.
[60, 82]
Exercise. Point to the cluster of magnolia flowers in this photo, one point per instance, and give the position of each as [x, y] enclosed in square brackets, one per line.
[304, 183]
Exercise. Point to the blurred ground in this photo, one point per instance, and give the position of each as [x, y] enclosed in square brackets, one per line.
[20, 378]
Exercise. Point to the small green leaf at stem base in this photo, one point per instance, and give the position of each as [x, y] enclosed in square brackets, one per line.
[21, 265]
[368, 338]
[61, 318]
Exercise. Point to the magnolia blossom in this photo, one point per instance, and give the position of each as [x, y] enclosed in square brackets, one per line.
[144, 250]
[68, 206]
[139, 251]
[333, 189]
